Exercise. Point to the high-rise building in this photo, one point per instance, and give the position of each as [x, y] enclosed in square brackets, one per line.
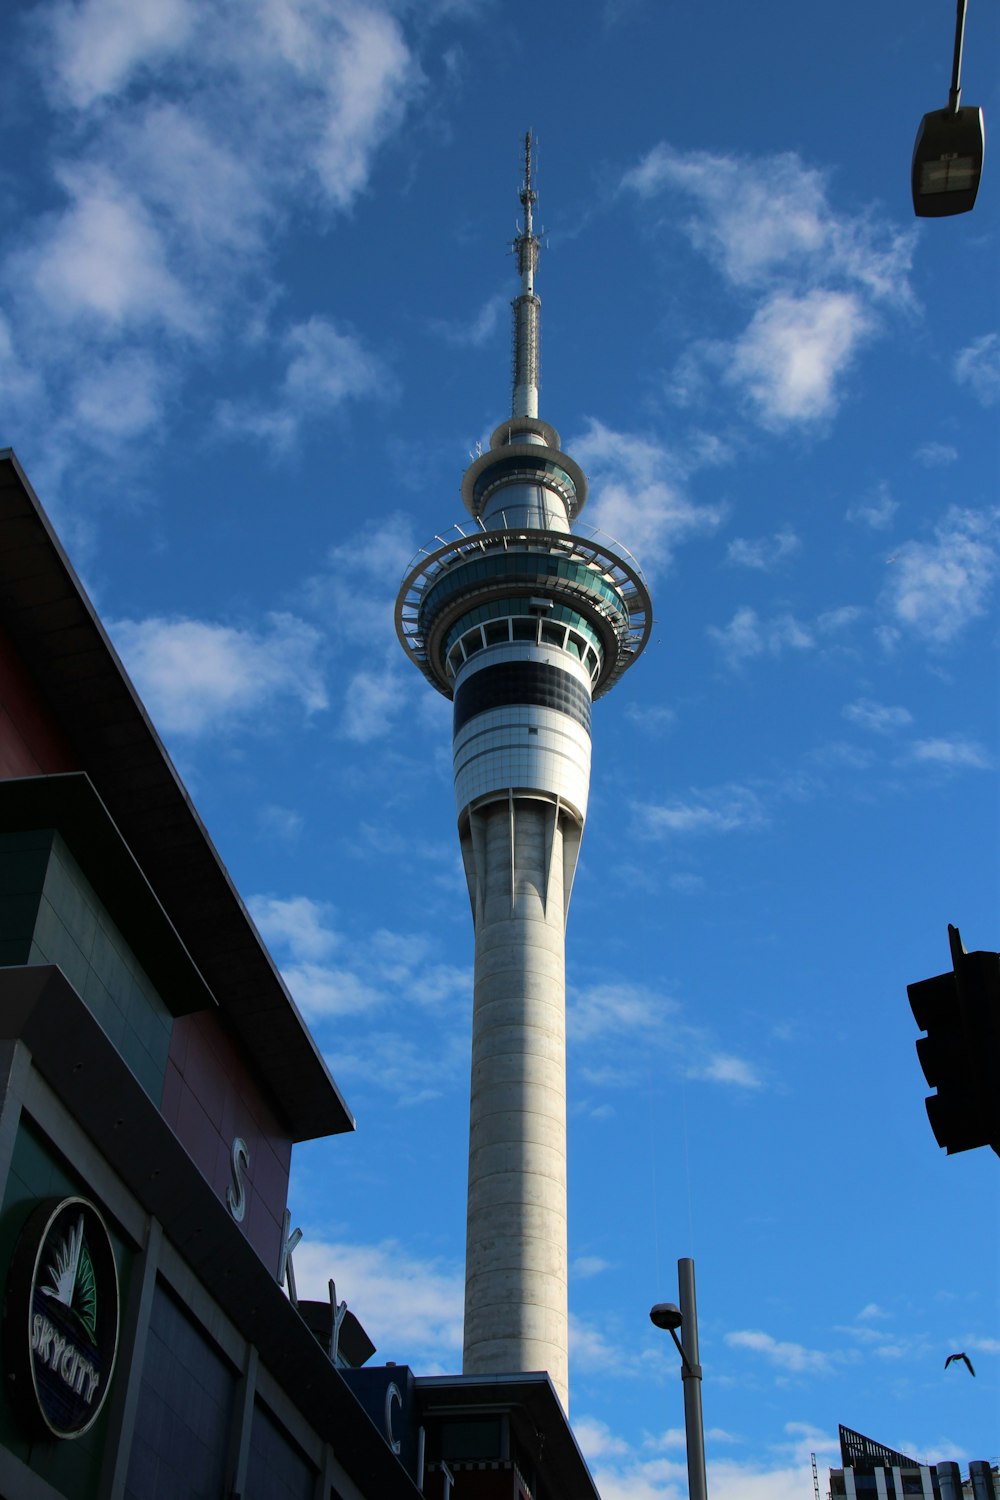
[522, 618]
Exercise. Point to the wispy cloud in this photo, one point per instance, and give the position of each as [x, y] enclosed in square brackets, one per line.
[723, 1067]
[954, 752]
[938, 588]
[478, 330]
[199, 677]
[978, 367]
[724, 809]
[325, 368]
[795, 1358]
[638, 494]
[881, 717]
[794, 351]
[614, 1028]
[181, 144]
[819, 278]
[764, 553]
[748, 636]
[649, 1472]
[875, 510]
[936, 455]
[410, 1308]
[330, 977]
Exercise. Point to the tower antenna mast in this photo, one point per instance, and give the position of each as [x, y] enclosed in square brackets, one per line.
[526, 306]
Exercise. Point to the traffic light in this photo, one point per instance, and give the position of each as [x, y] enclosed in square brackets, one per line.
[960, 1054]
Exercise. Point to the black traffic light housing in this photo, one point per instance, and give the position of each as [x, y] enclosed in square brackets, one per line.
[960, 1054]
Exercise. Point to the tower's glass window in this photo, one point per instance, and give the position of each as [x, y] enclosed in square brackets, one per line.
[473, 642]
[576, 644]
[525, 630]
[497, 633]
[553, 635]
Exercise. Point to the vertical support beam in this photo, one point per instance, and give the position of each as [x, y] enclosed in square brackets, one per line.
[691, 1376]
[123, 1402]
[243, 1409]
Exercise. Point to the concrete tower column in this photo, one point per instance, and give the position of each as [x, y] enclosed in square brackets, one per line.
[520, 857]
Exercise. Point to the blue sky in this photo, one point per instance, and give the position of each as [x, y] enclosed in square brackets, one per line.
[254, 321]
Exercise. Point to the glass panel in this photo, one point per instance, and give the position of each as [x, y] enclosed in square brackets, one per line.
[553, 635]
[525, 630]
[497, 633]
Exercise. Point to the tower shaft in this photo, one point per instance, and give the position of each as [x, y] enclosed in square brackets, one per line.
[520, 857]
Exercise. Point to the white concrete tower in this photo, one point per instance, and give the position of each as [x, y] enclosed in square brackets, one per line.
[521, 618]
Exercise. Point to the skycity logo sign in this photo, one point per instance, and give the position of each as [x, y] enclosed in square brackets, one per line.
[61, 1317]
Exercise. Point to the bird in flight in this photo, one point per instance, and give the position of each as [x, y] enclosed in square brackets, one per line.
[968, 1361]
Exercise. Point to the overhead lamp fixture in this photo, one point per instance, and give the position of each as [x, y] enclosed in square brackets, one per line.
[948, 152]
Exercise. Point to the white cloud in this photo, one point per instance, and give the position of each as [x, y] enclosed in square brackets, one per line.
[104, 259]
[748, 636]
[282, 823]
[875, 510]
[881, 717]
[478, 330]
[793, 352]
[816, 275]
[719, 810]
[936, 455]
[787, 1356]
[764, 219]
[723, 1067]
[586, 1266]
[121, 398]
[937, 588]
[953, 751]
[369, 78]
[978, 367]
[622, 1472]
[182, 140]
[297, 923]
[99, 44]
[636, 499]
[197, 677]
[608, 1009]
[764, 552]
[329, 976]
[652, 718]
[411, 1309]
[372, 704]
[325, 367]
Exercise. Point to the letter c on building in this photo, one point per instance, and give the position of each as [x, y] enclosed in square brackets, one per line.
[392, 1394]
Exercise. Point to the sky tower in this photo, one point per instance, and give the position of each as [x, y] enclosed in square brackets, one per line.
[521, 618]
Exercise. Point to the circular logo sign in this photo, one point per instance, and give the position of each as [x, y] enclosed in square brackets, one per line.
[61, 1317]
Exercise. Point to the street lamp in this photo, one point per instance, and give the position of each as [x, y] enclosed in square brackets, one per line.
[948, 151]
[671, 1317]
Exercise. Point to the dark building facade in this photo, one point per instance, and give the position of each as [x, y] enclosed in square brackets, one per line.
[154, 1076]
[871, 1471]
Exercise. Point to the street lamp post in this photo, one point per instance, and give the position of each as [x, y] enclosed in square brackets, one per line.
[685, 1317]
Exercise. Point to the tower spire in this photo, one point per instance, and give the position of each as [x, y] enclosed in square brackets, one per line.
[526, 306]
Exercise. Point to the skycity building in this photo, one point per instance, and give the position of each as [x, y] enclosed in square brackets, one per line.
[522, 618]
